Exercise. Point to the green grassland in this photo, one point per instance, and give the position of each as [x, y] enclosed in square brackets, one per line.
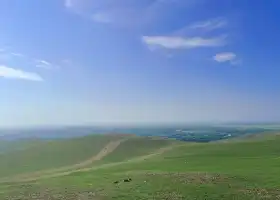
[239, 169]
[135, 147]
[10, 146]
[52, 154]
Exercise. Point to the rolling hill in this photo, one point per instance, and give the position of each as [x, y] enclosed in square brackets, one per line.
[158, 169]
[53, 154]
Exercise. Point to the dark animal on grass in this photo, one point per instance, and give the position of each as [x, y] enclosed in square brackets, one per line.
[127, 180]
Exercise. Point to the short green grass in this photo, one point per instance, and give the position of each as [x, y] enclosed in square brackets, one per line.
[52, 154]
[135, 147]
[10, 146]
[232, 170]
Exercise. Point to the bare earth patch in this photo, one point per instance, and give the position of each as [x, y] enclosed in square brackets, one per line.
[48, 194]
[194, 178]
[169, 196]
[262, 193]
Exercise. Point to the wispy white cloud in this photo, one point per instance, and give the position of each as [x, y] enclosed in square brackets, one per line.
[210, 24]
[17, 54]
[171, 42]
[123, 17]
[224, 57]
[12, 73]
[124, 12]
[203, 27]
[44, 64]
[227, 57]
[142, 14]
[6, 56]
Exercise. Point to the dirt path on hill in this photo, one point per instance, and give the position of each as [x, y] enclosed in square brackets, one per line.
[56, 173]
[110, 147]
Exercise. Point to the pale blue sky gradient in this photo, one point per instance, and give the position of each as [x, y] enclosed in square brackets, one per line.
[77, 62]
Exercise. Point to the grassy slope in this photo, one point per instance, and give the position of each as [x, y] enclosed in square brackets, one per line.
[10, 146]
[52, 154]
[135, 147]
[232, 170]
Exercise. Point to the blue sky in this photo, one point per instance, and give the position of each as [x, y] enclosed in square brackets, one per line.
[136, 62]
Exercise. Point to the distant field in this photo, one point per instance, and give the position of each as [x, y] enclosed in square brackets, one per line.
[52, 154]
[247, 169]
[135, 147]
[10, 146]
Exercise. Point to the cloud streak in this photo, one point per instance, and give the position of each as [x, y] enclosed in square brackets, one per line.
[17, 54]
[19, 57]
[128, 13]
[173, 42]
[227, 57]
[12, 73]
[210, 24]
[44, 64]
[224, 57]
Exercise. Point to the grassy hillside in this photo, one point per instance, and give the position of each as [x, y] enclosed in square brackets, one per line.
[232, 170]
[52, 154]
[135, 147]
[10, 146]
